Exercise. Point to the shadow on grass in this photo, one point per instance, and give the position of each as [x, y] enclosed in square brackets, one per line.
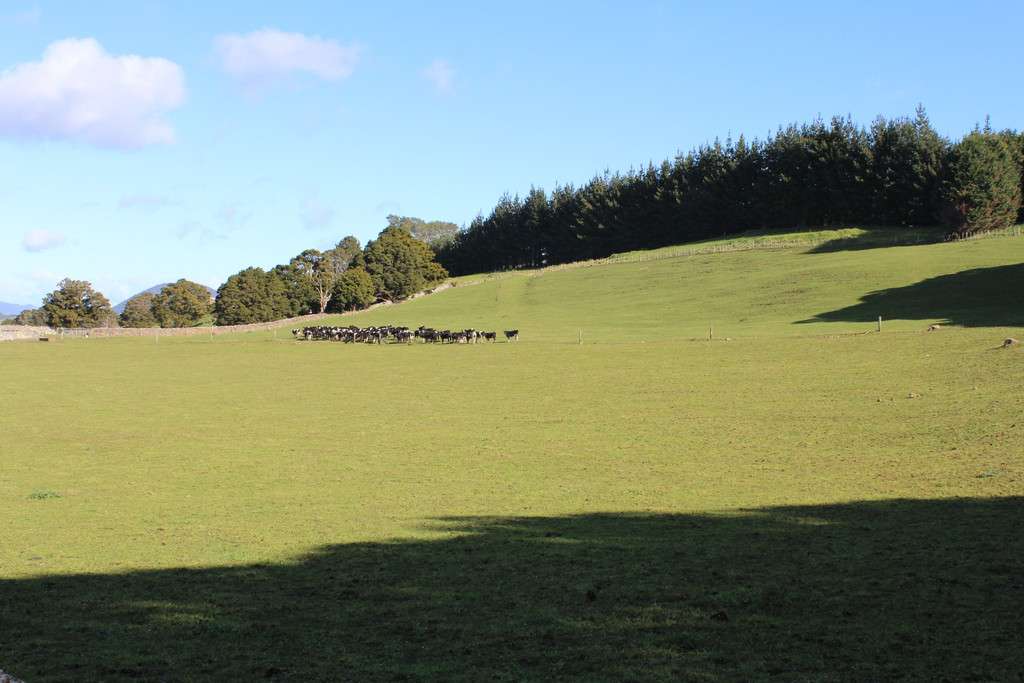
[910, 590]
[878, 238]
[982, 297]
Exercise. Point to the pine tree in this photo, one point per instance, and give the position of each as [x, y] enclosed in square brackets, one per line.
[982, 189]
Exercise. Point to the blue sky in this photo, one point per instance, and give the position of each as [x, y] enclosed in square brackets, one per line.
[142, 142]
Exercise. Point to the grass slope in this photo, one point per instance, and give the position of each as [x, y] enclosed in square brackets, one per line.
[782, 506]
[836, 286]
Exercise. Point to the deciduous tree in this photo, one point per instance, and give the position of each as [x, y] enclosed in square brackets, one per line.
[35, 317]
[354, 290]
[182, 304]
[138, 311]
[320, 270]
[250, 296]
[399, 264]
[76, 304]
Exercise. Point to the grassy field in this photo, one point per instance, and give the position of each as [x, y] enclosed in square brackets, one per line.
[800, 503]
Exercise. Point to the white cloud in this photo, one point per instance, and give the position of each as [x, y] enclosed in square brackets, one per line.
[441, 74]
[315, 215]
[269, 54]
[78, 91]
[41, 240]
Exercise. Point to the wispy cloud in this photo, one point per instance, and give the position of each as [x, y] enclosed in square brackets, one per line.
[26, 17]
[440, 74]
[268, 55]
[316, 216]
[196, 229]
[233, 216]
[79, 92]
[149, 202]
[42, 240]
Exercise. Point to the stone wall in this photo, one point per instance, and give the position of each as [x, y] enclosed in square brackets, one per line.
[8, 332]
[14, 332]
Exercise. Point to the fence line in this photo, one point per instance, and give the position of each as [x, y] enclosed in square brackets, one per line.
[753, 243]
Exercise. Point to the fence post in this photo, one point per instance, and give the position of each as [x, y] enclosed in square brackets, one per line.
[879, 323]
[711, 333]
[581, 336]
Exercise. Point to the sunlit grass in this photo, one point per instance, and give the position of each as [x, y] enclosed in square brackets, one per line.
[247, 457]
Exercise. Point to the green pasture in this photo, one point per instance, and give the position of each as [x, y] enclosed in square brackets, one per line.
[800, 502]
[830, 287]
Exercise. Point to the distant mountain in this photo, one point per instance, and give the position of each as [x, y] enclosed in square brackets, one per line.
[155, 289]
[12, 309]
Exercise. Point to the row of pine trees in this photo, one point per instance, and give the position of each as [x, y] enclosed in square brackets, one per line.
[898, 172]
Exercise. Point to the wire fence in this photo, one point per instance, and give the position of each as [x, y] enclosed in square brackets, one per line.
[862, 240]
[25, 332]
[865, 239]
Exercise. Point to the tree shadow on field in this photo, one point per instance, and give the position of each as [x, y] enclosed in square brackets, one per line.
[880, 238]
[900, 589]
[982, 297]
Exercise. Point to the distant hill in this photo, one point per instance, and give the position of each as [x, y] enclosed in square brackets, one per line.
[155, 289]
[12, 309]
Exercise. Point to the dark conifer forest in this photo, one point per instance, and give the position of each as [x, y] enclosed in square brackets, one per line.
[897, 172]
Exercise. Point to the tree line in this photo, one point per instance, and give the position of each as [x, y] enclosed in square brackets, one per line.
[897, 172]
[344, 278]
[392, 267]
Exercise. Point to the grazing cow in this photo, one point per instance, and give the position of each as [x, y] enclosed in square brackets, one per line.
[397, 335]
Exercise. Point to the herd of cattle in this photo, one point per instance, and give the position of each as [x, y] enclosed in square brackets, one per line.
[379, 335]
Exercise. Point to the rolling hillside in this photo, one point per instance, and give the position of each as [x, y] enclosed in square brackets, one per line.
[840, 281]
[795, 504]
